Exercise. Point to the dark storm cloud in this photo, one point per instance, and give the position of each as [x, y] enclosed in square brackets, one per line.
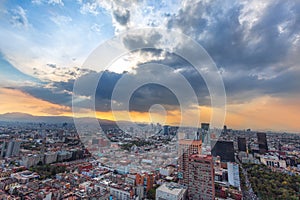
[143, 97]
[104, 90]
[140, 39]
[55, 95]
[63, 86]
[244, 87]
[51, 65]
[257, 55]
[141, 100]
[152, 94]
[181, 65]
[122, 16]
[232, 44]
[240, 89]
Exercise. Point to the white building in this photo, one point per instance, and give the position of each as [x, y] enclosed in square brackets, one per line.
[273, 161]
[25, 176]
[120, 194]
[166, 171]
[171, 191]
[233, 174]
[139, 191]
[123, 169]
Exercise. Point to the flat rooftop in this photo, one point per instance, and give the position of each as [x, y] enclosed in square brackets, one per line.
[172, 188]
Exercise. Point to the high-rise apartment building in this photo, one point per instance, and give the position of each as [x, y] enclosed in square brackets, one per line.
[10, 148]
[185, 149]
[201, 177]
[146, 180]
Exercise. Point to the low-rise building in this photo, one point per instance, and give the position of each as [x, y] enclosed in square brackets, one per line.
[273, 161]
[171, 191]
[166, 171]
[121, 193]
[25, 176]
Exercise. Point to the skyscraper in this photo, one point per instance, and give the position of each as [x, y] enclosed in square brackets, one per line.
[262, 142]
[225, 150]
[166, 129]
[185, 149]
[205, 134]
[205, 126]
[225, 129]
[201, 177]
[242, 144]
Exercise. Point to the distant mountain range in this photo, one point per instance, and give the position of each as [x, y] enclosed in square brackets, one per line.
[23, 117]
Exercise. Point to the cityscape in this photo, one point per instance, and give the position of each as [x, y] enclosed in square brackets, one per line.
[49, 161]
[149, 100]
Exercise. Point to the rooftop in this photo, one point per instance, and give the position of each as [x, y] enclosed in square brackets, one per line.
[173, 188]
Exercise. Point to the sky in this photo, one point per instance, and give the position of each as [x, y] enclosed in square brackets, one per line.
[254, 44]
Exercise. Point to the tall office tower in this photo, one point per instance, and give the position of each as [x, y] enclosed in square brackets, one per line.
[233, 174]
[166, 129]
[201, 177]
[185, 149]
[262, 142]
[11, 148]
[225, 150]
[242, 144]
[205, 126]
[205, 134]
[225, 129]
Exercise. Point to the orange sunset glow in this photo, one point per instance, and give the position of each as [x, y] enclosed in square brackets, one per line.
[12, 100]
[265, 113]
